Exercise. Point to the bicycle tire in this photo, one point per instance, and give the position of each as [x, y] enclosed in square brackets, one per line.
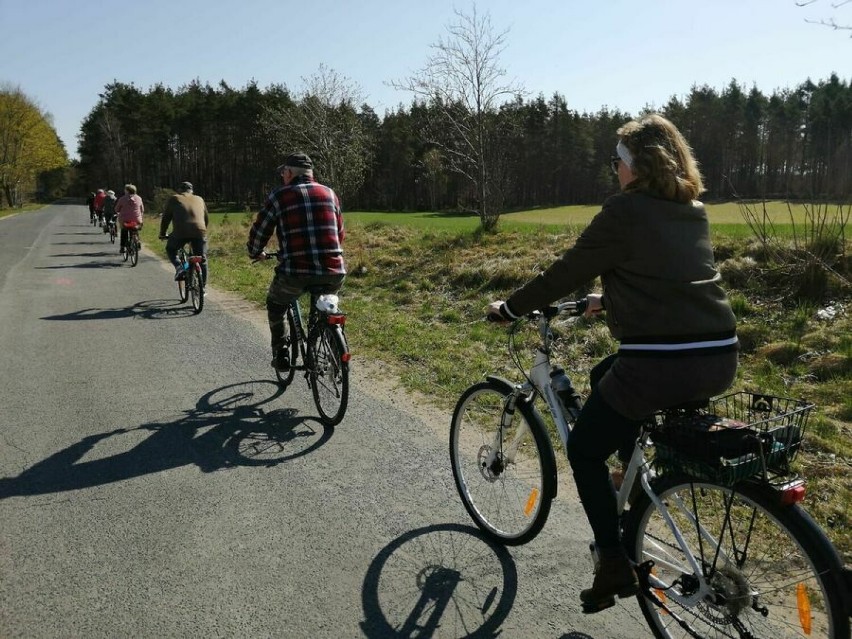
[125, 254]
[133, 250]
[112, 234]
[782, 579]
[510, 502]
[329, 374]
[292, 345]
[196, 289]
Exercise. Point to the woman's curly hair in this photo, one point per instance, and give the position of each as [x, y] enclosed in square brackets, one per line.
[662, 160]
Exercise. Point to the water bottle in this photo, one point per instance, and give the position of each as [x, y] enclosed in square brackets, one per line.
[568, 396]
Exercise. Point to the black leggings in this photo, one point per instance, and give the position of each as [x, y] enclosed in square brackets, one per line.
[599, 432]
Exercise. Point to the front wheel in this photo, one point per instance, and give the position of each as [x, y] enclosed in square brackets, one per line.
[329, 374]
[292, 346]
[196, 289]
[503, 463]
[768, 570]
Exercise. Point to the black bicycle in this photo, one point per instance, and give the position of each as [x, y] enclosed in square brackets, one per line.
[321, 344]
[131, 251]
[112, 230]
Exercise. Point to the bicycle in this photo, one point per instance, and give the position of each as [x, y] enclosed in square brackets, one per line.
[324, 350]
[191, 285]
[131, 251]
[112, 230]
[721, 549]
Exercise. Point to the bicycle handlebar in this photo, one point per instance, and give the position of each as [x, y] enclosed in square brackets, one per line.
[269, 256]
[577, 307]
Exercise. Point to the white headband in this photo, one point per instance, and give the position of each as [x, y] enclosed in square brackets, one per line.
[624, 154]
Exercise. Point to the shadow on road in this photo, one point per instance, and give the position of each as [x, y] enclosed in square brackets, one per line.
[230, 426]
[447, 577]
[149, 309]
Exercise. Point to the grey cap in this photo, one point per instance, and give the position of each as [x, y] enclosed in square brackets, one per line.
[185, 186]
[297, 160]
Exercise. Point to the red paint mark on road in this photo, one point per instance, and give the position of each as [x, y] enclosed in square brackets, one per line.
[63, 281]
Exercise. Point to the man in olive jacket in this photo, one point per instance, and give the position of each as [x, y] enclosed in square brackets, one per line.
[187, 213]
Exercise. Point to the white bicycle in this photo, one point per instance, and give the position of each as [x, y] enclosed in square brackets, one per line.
[720, 544]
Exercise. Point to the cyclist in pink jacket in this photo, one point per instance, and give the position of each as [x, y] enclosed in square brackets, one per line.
[129, 209]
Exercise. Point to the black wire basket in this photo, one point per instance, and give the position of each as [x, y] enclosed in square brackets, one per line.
[738, 436]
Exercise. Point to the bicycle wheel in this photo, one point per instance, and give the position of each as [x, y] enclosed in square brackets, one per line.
[505, 475]
[112, 233]
[126, 253]
[292, 345]
[329, 374]
[133, 251]
[770, 569]
[196, 289]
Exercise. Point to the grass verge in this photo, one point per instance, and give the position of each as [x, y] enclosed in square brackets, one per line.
[418, 285]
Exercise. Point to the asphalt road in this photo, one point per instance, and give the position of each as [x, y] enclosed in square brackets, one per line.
[154, 482]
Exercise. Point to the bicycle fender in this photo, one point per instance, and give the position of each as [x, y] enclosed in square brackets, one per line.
[509, 388]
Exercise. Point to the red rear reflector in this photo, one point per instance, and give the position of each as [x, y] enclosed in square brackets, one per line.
[793, 494]
[344, 357]
[337, 320]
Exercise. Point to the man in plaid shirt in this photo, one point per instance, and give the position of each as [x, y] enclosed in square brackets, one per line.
[306, 218]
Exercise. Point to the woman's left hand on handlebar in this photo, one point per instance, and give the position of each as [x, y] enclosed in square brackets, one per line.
[493, 314]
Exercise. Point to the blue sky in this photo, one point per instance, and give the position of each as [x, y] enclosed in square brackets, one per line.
[616, 53]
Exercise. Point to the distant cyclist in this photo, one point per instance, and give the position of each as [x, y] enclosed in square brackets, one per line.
[305, 216]
[90, 202]
[99, 204]
[109, 209]
[187, 213]
[129, 209]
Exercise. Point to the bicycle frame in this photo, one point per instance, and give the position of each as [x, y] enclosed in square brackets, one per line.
[538, 383]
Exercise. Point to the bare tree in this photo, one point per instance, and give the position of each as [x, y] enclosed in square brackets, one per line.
[830, 21]
[323, 122]
[464, 85]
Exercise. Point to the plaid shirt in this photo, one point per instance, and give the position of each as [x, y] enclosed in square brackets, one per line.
[306, 218]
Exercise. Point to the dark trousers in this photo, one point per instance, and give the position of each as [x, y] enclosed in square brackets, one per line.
[283, 290]
[599, 432]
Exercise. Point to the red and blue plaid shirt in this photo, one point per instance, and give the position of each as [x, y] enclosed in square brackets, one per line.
[306, 218]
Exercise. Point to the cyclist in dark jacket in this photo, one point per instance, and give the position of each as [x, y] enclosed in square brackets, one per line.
[650, 245]
[109, 209]
[306, 218]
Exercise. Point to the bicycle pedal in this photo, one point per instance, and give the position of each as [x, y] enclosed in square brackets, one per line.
[596, 606]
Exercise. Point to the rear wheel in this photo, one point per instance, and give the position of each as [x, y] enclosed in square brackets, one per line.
[112, 233]
[769, 570]
[329, 373]
[503, 463]
[292, 346]
[133, 250]
[196, 289]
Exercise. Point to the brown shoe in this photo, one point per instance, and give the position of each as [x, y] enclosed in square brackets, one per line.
[614, 576]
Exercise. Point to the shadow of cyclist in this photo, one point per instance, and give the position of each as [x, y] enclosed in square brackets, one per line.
[213, 437]
[148, 309]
